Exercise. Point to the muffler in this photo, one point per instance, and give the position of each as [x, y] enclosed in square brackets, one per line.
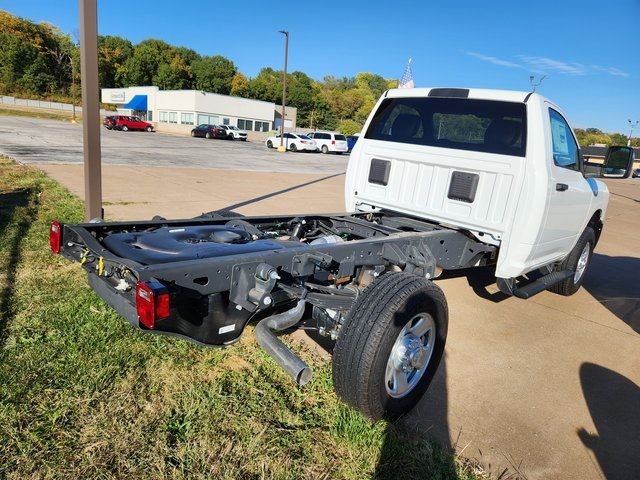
[288, 360]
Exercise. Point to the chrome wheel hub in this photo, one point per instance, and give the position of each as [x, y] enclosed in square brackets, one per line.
[410, 355]
[582, 264]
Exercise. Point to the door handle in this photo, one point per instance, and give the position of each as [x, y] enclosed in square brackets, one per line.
[561, 187]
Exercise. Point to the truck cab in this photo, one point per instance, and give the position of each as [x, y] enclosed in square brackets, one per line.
[502, 165]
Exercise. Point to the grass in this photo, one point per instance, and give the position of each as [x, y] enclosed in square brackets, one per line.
[83, 395]
[38, 113]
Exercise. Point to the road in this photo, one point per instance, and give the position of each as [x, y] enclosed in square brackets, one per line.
[35, 140]
[548, 387]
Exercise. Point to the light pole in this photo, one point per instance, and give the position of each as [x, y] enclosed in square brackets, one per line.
[282, 148]
[631, 127]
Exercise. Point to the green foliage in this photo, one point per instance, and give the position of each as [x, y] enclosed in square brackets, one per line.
[213, 74]
[349, 127]
[239, 85]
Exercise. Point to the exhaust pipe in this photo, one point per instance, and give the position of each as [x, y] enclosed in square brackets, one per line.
[288, 360]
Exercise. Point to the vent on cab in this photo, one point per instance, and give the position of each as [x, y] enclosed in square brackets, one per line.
[463, 186]
[379, 171]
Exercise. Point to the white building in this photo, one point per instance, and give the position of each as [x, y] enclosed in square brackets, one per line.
[179, 110]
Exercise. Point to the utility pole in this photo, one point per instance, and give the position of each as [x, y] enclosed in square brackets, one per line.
[282, 147]
[90, 108]
[631, 127]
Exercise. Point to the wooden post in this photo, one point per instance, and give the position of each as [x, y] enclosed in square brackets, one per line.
[90, 108]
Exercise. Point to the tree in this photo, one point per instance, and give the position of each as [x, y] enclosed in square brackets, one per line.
[239, 85]
[267, 85]
[349, 127]
[213, 74]
[113, 53]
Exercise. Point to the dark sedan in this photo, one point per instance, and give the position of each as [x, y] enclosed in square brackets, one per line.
[208, 131]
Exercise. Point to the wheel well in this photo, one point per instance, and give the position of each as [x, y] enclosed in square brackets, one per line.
[596, 224]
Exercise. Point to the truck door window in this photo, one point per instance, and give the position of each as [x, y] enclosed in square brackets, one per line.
[565, 148]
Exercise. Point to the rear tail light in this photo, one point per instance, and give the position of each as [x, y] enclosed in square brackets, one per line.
[333, 142]
[152, 303]
[55, 236]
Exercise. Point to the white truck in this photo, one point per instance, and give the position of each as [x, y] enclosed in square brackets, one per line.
[440, 179]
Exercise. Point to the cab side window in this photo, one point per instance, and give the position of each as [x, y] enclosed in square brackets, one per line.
[565, 148]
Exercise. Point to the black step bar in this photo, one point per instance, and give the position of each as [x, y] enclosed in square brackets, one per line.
[509, 286]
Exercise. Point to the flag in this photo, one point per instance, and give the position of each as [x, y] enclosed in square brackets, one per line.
[407, 77]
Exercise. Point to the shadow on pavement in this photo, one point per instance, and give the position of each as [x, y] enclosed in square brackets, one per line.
[23, 204]
[614, 405]
[615, 283]
[279, 192]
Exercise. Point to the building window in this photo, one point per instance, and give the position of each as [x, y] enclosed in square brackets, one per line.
[173, 117]
[225, 121]
[248, 124]
[204, 119]
[149, 116]
[262, 126]
[186, 118]
[241, 124]
[164, 117]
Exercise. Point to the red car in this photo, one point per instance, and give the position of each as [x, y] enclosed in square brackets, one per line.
[126, 123]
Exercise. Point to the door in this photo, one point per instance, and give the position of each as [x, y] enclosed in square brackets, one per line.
[569, 193]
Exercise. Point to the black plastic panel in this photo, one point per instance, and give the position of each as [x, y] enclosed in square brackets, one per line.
[463, 186]
[379, 171]
[449, 92]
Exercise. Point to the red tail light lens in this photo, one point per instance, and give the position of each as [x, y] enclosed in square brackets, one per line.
[333, 142]
[152, 303]
[55, 236]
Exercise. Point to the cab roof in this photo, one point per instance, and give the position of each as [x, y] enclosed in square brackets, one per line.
[475, 93]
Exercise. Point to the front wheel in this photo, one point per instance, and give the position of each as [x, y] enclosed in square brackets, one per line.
[578, 262]
[325, 149]
[269, 144]
[390, 345]
[208, 136]
[293, 147]
[125, 128]
[149, 128]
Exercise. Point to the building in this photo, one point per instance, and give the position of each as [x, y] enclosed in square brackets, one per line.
[179, 110]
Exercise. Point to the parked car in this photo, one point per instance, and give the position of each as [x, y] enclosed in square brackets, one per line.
[208, 131]
[293, 142]
[234, 133]
[351, 141]
[126, 123]
[330, 142]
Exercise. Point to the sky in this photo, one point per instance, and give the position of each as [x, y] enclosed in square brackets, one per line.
[590, 51]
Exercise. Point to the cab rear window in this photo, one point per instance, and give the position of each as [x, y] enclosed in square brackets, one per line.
[458, 123]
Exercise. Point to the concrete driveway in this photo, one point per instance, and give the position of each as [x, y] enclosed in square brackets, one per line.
[548, 387]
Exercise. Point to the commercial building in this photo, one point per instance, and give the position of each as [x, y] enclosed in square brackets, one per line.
[179, 110]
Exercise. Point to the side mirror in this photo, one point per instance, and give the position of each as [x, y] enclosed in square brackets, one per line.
[618, 163]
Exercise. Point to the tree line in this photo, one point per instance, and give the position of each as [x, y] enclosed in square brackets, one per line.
[39, 60]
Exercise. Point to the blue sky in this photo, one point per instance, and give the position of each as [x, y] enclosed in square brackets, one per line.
[589, 50]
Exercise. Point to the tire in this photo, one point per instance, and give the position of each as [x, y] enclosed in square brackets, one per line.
[149, 129]
[577, 263]
[324, 149]
[269, 144]
[230, 137]
[293, 147]
[376, 323]
[193, 134]
[125, 128]
[208, 136]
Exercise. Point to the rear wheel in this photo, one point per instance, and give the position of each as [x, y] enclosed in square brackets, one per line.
[193, 133]
[325, 149]
[578, 262]
[208, 136]
[390, 345]
[293, 147]
[149, 128]
[269, 144]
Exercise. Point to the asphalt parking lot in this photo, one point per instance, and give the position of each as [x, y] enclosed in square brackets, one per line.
[547, 387]
[34, 140]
